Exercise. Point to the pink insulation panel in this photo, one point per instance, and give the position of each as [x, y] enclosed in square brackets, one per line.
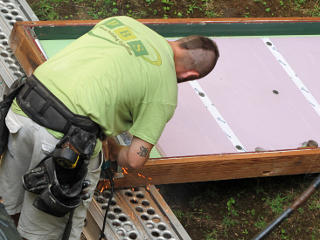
[255, 96]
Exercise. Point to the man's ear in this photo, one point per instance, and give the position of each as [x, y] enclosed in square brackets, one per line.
[188, 75]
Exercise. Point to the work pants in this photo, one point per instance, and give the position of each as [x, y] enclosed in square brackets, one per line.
[28, 144]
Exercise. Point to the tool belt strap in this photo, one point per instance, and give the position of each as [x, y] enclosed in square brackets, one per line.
[47, 110]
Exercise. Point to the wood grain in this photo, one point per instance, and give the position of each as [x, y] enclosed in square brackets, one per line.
[22, 39]
[26, 51]
[174, 20]
[222, 167]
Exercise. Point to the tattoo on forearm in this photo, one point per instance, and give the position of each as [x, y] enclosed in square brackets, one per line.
[143, 151]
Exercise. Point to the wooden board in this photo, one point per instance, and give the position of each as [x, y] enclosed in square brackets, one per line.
[222, 167]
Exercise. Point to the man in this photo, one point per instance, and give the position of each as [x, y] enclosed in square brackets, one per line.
[123, 76]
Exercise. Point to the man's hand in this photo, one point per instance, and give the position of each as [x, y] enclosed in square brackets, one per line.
[133, 156]
[111, 149]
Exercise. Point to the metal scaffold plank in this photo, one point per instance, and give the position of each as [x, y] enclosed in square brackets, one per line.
[11, 11]
[136, 213]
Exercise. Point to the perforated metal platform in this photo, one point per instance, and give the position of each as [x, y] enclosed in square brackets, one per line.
[136, 213]
[11, 11]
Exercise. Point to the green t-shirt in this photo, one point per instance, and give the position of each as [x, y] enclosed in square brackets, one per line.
[121, 74]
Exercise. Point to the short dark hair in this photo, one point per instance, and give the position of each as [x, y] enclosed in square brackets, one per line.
[203, 52]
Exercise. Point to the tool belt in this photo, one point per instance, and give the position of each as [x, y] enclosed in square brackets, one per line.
[58, 179]
[48, 111]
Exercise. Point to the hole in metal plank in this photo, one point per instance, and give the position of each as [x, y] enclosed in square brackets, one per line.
[144, 217]
[145, 203]
[128, 194]
[111, 216]
[116, 224]
[134, 201]
[162, 227]
[123, 218]
[133, 235]
[238, 147]
[106, 194]
[140, 195]
[117, 210]
[151, 211]
[155, 233]
[139, 209]
[167, 235]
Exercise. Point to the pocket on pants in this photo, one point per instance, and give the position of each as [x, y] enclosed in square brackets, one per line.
[94, 169]
[93, 176]
[14, 126]
[47, 148]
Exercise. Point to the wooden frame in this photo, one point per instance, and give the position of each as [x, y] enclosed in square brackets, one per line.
[191, 168]
[223, 167]
[24, 34]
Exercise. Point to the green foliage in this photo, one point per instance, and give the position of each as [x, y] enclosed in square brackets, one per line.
[283, 234]
[276, 204]
[315, 11]
[99, 9]
[315, 234]
[149, 2]
[165, 1]
[212, 235]
[300, 210]
[252, 212]
[314, 205]
[210, 14]
[229, 222]
[230, 206]
[245, 231]
[192, 7]
[46, 9]
[179, 214]
[179, 14]
[260, 223]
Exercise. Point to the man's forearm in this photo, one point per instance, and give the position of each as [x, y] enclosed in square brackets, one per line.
[133, 156]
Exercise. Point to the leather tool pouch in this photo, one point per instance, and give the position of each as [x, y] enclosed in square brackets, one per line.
[4, 108]
[59, 189]
[77, 145]
[58, 179]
